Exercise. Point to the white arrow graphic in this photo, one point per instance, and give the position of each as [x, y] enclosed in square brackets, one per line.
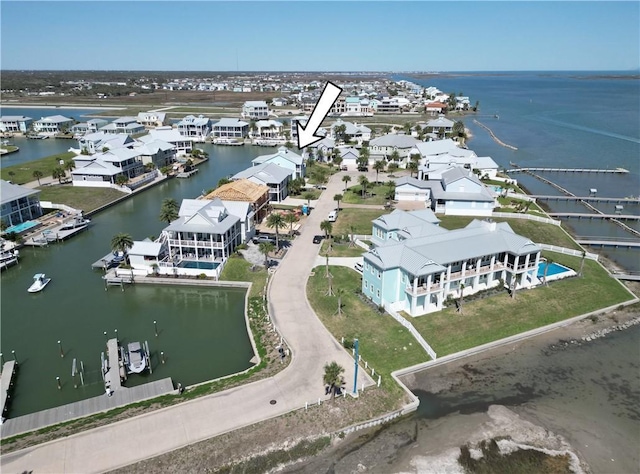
[307, 135]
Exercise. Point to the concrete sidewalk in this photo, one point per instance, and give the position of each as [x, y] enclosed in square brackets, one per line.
[113, 446]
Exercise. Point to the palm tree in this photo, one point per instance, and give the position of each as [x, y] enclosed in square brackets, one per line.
[168, 210]
[412, 166]
[460, 301]
[339, 132]
[308, 196]
[121, 243]
[392, 167]
[395, 156]
[333, 377]
[337, 198]
[276, 221]
[266, 248]
[584, 254]
[364, 182]
[345, 179]
[337, 160]
[69, 165]
[327, 227]
[458, 129]
[340, 292]
[58, 173]
[548, 263]
[38, 174]
[290, 218]
[121, 180]
[378, 166]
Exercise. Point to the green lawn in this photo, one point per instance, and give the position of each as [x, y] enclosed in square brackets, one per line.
[342, 249]
[23, 173]
[238, 269]
[536, 231]
[492, 318]
[360, 219]
[383, 343]
[85, 199]
[375, 194]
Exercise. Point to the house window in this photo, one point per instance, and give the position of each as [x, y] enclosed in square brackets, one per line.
[378, 293]
[379, 274]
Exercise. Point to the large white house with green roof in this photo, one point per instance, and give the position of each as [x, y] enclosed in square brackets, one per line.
[415, 265]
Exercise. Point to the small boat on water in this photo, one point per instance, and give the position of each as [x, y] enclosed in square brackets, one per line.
[39, 282]
[136, 358]
[77, 222]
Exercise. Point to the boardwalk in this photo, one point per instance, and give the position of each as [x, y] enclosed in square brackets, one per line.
[590, 215]
[630, 200]
[6, 381]
[609, 243]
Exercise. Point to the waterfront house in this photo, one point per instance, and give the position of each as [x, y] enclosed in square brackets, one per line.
[435, 108]
[458, 191]
[385, 145]
[90, 126]
[18, 203]
[203, 236]
[152, 119]
[156, 151]
[268, 129]
[146, 255]
[230, 128]
[255, 109]
[197, 128]
[352, 133]
[15, 124]
[293, 128]
[99, 141]
[417, 271]
[102, 169]
[128, 125]
[441, 126]
[271, 175]
[53, 124]
[183, 144]
[244, 190]
[286, 159]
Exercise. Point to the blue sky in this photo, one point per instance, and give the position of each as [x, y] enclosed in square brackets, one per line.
[325, 36]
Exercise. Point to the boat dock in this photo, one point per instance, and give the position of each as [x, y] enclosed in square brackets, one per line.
[604, 242]
[122, 397]
[631, 200]
[568, 170]
[187, 174]
[590, 215]
[111, 373]
[105, 262]
[54, 234]
[6, 382]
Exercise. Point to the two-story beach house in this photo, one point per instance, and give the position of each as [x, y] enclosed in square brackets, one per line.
[152, 119]
[196, 128]
[128, 125]
[230, 128]
[352, 132]
[99, 141]
[15, 124]
[18, 204]
[417, 267]
[268, 130]
[286, 159]
[255, 109]
[385, 145]
[271, 175]
[441, 126]
[53, 124]
[183, 144]
[102, 169]
[90, 126]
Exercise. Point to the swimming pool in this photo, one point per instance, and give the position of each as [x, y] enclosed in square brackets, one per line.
[554, 269]
[21, 227]
[199, 265]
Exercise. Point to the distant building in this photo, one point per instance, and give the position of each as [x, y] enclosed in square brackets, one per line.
[15, 123]
[53, 124]
[152, 119]
[198, 128]
[255, 109]
[230, 128]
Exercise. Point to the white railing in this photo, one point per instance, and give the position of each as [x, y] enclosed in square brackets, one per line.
[414, 332]
[528, 217]
[62, 207]
[566, 251]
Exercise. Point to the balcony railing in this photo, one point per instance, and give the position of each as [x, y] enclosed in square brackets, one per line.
[195, 243]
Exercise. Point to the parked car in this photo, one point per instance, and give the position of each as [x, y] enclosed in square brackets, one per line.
[317, 239]
[258, 239]
[358, 267]
[343, 168]
[333, 215]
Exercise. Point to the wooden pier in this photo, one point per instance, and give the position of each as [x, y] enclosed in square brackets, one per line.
[629, 200]
[590, 215]
[54, 234]
[6, 382]
[568, 170]
[629, 276]
[112, 374]
[187, 174]
[122, 397]
[609, 242]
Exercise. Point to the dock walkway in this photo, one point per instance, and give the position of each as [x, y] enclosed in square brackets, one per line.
[6, 381]
[631, 200]
[590, 215]
[121, 397]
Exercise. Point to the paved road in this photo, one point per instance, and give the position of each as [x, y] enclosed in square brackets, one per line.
[142, 437]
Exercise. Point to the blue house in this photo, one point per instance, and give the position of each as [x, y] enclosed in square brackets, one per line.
[284, 158]
[415, 267]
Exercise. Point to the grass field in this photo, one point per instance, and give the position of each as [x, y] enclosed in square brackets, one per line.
[23, 172]
[238, 269]
[383, 343]
[375, 194]
[85, 199]
[342, 249]
[492, 318]
[360, 219]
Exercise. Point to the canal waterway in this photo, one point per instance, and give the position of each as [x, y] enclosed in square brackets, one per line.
[202, 331]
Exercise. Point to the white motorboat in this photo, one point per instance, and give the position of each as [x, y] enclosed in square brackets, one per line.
[39, 282]
[8, 258]
[136, 358]
[78, 222]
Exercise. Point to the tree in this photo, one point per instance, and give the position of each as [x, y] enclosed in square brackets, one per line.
[337, 198]
[69, 165]
[475, 107]
[584, 254]
[386, 129]
[352, 232]
[364, 182]
[222, 182]
[337, 160]
[121, 243]
[460, 301]
[340, 292]
[276, 221]
[378, 166]
[332, 377]
[458, 129]
[121, 180]
[266, 248]
[339, 132]
[290, 218]
[345, 179]
[168, 210]
[308, 196]
[392, 167]
[548, 263]
[38, 174]
[407, 128]
[395, 156]
[58, 173]
[412, 166]
[326, 226]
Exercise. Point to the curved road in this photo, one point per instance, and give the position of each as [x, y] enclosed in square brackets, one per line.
[128, 441]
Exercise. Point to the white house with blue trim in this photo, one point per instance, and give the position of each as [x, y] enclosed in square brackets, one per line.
[15, 123]
[415, 265]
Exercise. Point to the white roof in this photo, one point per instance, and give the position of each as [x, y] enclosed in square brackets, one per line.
[397, 141]
[168, 134]
[10, 192]
[145, 248]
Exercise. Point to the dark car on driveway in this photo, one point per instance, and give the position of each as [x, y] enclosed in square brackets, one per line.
[317, 239]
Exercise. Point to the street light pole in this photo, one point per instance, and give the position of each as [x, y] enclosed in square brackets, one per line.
[355, 376]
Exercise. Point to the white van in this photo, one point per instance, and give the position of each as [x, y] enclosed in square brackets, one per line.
[333, 215]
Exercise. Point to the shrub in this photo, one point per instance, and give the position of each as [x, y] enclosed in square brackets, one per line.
[202, 276]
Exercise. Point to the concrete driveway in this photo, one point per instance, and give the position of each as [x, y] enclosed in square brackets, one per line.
[114, 445]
